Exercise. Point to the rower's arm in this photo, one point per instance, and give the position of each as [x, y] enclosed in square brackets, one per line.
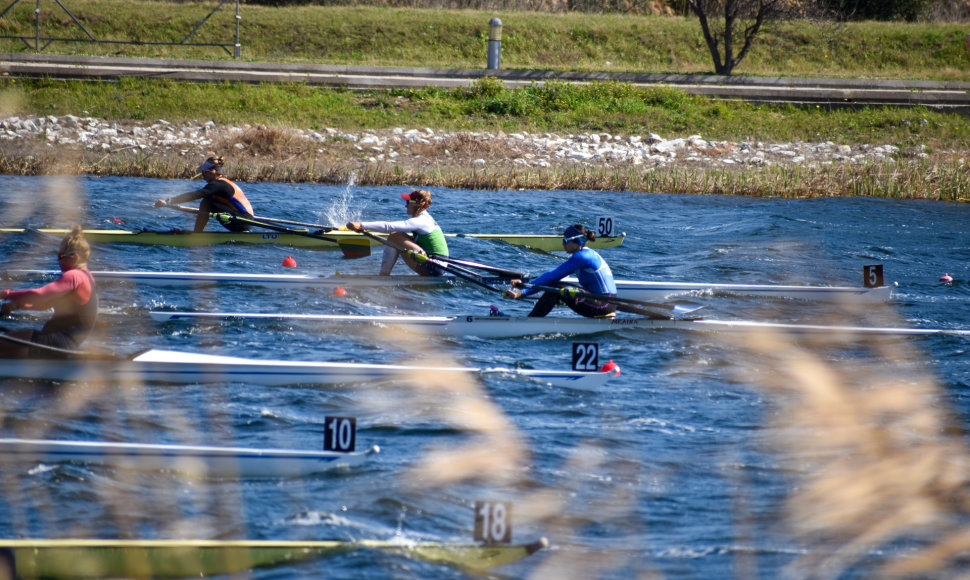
[187, 196]
[553, 276]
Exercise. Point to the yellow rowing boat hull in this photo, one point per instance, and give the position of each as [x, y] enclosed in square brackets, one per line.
[190, 239]
[82, 558]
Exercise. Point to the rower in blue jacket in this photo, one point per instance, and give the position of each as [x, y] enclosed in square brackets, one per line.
[591, 269]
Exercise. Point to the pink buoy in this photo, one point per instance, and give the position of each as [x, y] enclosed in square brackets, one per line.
[946, 278]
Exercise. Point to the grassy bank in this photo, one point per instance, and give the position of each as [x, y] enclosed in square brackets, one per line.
[616, 108]
[457, 39]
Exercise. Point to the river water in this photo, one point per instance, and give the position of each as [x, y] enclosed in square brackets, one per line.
[678, 467]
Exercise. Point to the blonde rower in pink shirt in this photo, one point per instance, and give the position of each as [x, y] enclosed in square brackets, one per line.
[72, 296]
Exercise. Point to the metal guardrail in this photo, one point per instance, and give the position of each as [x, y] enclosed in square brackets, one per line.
[37, 39]
[947, 96]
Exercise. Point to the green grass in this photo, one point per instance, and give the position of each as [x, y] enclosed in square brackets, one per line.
[449, 38]
[458, 38]
[617, 108]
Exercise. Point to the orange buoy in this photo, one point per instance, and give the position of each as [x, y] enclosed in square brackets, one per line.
[338, 291]
[289, 262]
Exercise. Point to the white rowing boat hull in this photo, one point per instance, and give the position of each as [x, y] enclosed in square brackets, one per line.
[629, 289]
[111, 558]
[196, 460]
[655, 291]
[515, 326]
[165, 366]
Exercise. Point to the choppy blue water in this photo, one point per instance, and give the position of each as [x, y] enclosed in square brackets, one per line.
[666, 470]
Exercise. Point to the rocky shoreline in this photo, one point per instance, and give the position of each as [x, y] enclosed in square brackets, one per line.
[76, 145]
[401, 146]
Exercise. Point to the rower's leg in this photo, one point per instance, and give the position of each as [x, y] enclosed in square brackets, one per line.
[401, 240]
[590, 309]
[545, 304]
[419, 266]
[388, 259]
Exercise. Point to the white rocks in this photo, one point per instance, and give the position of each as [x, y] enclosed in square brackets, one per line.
[523, 149]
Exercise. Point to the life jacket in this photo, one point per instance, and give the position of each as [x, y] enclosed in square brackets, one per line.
[238, 201]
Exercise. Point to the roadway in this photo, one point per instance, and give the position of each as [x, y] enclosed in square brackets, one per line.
[829, 92]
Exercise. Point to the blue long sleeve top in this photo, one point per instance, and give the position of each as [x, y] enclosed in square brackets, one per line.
[593, 272]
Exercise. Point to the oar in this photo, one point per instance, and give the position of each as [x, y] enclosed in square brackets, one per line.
[59, 352]
[623, 304]
[454, 269]
[500, 272]
[351, 248]
[320, 227]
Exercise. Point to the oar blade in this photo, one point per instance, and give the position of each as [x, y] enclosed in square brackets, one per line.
[683, 310]
[354, 248]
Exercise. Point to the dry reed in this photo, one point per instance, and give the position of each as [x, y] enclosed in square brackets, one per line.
[873, 457]
[471, 162]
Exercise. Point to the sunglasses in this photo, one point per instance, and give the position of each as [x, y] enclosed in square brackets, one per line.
[572, 239]
[68, 255]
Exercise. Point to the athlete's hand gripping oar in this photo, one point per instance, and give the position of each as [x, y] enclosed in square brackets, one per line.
[623, 304]
[456, 270]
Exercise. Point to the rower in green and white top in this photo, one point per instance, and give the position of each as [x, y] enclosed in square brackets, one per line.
[419, 233]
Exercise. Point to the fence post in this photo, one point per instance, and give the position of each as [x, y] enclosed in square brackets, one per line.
[37, 26]
[494, 44]
[236, 48]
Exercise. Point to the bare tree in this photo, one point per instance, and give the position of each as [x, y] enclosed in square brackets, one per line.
[729, 23]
